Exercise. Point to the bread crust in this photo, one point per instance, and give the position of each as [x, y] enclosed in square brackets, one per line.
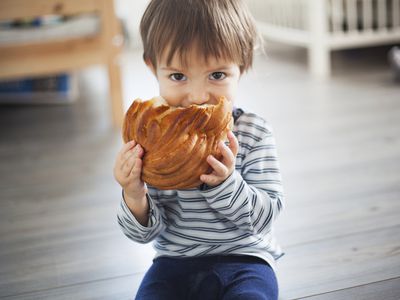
[177, 140]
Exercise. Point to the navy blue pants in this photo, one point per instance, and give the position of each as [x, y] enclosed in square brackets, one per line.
[209, 278]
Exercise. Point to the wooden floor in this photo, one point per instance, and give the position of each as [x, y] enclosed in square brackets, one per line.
[339, 145]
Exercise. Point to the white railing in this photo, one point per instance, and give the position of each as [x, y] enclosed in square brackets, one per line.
[358, 16]
[343, 15]
[325, 25]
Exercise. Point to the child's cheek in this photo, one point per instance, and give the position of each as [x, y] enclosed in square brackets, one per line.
[168, 93]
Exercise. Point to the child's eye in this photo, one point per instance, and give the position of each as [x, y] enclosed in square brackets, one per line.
[217, 76]
[177, 77]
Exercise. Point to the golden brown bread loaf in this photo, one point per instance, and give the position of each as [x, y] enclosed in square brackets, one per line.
[177, 140]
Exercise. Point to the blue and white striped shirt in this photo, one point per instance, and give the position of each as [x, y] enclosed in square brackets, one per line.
[233, 218]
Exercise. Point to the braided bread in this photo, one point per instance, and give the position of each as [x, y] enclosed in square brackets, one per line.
[176, 140]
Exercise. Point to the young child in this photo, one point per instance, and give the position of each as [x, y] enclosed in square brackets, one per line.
[215, 241]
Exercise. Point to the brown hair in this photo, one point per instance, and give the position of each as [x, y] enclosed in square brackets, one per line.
[221, 28]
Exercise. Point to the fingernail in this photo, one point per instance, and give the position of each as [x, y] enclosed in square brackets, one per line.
[138, 149]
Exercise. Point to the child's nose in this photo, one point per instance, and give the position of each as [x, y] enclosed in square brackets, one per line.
[198, 95]
[199, 100]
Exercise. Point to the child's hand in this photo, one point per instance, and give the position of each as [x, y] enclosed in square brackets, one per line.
[224, 168]
[127, 172]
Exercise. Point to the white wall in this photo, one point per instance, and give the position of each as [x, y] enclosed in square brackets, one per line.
[131, 12]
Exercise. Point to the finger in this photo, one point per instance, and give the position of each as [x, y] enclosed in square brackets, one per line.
[219, 168]
[129, 153]
[210, 179]
[136, 172]
[137, 151]
[140, 151]
[126, 157]
[125, 148]
[228, 157]
[233, 143]
[133, 166]
[128, 165]
[129, 145]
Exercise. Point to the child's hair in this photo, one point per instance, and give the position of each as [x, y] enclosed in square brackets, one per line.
[220, 28]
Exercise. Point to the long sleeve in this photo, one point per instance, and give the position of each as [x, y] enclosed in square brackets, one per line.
[253, 198]
[233, 218]
[133, 229]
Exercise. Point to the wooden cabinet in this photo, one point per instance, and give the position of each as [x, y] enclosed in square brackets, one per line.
[51, 57]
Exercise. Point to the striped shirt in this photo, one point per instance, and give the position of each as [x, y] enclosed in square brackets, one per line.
[233, 218]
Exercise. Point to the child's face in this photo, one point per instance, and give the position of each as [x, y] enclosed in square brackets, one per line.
[200, 82]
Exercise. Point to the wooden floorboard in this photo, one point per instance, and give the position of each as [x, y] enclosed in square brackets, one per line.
[338, 216]
[120, 288]
[339, 145]
[386, 289]
[340, 262]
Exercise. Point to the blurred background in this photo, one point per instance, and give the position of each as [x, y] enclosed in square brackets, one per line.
[328, 83]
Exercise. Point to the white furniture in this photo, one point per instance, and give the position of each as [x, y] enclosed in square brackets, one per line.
[325, 25]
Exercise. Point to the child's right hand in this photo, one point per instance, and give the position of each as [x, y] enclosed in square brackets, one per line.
[128, 170]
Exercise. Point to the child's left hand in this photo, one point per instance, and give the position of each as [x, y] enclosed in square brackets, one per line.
[224, 168]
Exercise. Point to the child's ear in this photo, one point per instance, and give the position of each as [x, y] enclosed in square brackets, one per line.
[150, 65]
